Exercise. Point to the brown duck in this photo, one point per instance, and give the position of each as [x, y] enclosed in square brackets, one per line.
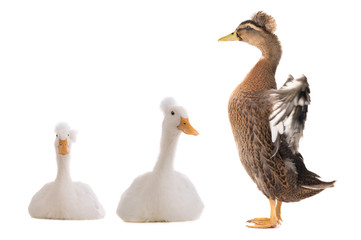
[267, 124]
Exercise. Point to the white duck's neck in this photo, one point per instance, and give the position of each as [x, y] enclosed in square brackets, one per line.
[63, 168]
[168, 147]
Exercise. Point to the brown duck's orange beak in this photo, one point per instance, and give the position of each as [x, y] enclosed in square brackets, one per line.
[186, 127]
[229, 37]
[63, 147]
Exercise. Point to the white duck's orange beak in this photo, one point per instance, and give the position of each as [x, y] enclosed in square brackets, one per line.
[63, 147]
[186, 127]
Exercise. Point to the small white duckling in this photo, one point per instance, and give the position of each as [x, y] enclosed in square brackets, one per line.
[63, 198]
[163, 195]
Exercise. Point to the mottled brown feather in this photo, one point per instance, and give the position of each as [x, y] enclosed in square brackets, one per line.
[253, 137]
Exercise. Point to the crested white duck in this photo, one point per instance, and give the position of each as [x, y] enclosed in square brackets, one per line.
[63, 198]
[163, 195]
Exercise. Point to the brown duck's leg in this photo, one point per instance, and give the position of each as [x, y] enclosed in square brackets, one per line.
[278, 210]
[271, 222]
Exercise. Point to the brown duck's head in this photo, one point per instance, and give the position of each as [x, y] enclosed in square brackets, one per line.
[257, 31]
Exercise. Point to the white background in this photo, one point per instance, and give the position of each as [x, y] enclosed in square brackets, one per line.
[104, 67]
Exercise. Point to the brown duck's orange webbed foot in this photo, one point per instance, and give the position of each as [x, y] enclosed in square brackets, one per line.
[271, 222]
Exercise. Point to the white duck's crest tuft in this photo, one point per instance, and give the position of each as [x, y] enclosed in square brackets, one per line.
[64, 129]
[167, 103]
[62, 126]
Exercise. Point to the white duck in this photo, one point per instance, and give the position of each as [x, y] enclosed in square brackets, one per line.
[63, 198]
[163, 195]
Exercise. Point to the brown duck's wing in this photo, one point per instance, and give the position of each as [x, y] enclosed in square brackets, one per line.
[290, 105]
[271, 168]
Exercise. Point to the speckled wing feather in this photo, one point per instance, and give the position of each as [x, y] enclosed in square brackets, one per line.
[290, 105]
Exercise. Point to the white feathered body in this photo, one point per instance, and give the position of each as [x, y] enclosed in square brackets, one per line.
[66, 200]
[160, 197]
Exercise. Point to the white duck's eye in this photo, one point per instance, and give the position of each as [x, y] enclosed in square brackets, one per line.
[56, 135]
[172, 112]
[68, 134]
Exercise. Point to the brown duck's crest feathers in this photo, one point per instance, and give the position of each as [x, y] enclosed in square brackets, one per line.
[266, 21]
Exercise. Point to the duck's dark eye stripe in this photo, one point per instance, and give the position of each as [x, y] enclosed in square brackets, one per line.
[252, 23]
[247, 28]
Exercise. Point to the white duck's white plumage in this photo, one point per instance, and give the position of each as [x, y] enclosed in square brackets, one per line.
[163, 195]
[63, 198]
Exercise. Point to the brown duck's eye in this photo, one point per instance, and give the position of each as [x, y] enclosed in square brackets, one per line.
[172, 112]
[248, 28]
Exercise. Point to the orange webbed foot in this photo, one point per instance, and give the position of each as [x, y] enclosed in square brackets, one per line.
[271, 222]
[264, 223]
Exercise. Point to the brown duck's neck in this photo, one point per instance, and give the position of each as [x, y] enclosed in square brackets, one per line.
[260, 78]
[272, 51]
[262, 75]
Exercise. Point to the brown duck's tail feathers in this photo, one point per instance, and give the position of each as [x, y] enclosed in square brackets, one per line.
[320, 186]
